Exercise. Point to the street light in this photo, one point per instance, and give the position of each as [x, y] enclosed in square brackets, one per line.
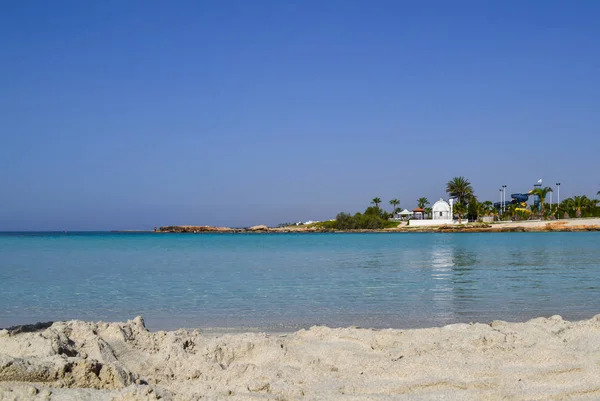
[504, 198]
[501, 204]
[558, 197]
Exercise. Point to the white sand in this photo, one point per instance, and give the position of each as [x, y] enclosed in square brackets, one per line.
[591, 221]
[543, 359]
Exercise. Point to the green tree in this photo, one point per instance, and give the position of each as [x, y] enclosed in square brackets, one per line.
[541, 193]
[482, 209]
[394, 202]
[428, 212]
[460, 209]
[372, 219]
[494, 213]
[576, 203]
[592, 206]
[553, 210]
[344, 221]
[487, 207]
[376, 202]
[422, 202]
[521, 213]
[534, 208]
[472, 208]
[460, 188]
[375, 211]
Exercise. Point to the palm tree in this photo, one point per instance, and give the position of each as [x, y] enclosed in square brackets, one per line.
[487, 207]
[495, 214]
[460, 209]
[428, 211]
[376, 202]
[591, 205]
[521, 213]
[511, 210]
[541, 194]
[578, 202]
[394, 202]
[553, 208]
[422, 202]
[459, 187]
[564, 208]
[484, 208]
[534, 208]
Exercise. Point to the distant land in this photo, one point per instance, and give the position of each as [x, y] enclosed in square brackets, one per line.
[567, 225]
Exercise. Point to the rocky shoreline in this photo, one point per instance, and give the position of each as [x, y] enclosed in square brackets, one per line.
[557, 226]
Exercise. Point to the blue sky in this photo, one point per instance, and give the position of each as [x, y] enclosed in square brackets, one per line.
[117, 115]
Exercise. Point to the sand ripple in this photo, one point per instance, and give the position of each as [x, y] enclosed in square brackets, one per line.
[543, 359]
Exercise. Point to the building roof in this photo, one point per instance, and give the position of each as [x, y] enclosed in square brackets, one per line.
[418, 210]
[441, 206]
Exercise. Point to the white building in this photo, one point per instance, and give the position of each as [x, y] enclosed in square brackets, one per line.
[307, 222]
[441, 215]
[405, 214]
[441, 210]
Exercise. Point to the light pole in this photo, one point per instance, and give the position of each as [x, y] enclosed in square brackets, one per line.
[503, 198]
[501, 203]
[558, 197]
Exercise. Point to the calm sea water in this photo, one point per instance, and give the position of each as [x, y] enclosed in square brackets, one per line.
[295, 280]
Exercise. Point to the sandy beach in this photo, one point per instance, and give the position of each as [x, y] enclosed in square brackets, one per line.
[542, 359]
[565, 223]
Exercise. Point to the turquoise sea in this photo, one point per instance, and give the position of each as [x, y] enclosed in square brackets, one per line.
[287, 281]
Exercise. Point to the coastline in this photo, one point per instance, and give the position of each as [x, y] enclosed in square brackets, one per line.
[570, 225]
[543, 358]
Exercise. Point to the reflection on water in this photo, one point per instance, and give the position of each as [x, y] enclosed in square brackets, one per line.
[462, 258]
[450, 266]
[441, 273]
[532, 257]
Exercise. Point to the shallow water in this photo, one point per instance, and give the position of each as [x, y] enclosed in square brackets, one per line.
[287, 281]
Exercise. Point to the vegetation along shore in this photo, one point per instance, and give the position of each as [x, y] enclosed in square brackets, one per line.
[576, 213]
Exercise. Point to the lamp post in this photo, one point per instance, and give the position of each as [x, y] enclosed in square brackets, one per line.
[558, 197]
[501, 203]
[503, 198]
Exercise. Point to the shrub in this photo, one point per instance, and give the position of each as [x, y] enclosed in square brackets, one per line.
[373, 219]
[328, 225]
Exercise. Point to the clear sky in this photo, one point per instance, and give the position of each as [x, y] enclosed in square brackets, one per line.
[134, 114]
